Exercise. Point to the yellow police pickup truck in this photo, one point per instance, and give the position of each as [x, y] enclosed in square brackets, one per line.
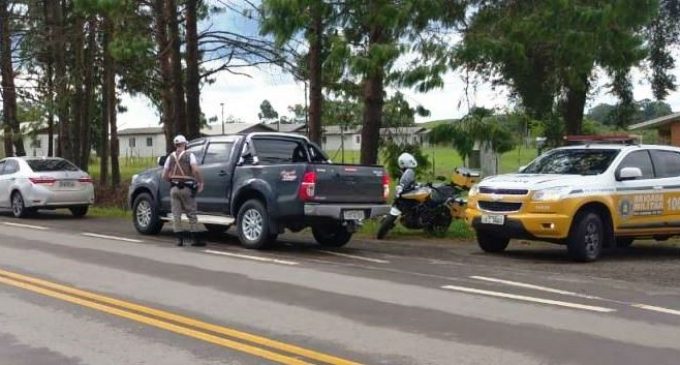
[587, 197]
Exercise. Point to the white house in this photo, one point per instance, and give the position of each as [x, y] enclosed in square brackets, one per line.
[35, 138]
[141, 142]
[217, 129]
[349, 138]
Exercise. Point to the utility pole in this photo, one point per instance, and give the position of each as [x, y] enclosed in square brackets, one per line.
[222, 105]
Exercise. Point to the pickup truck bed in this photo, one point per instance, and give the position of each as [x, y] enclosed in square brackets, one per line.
[280, 180]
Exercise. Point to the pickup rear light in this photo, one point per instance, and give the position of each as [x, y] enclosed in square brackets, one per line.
[42, 180]
[86, 180]
[386, 185]
[307, 186]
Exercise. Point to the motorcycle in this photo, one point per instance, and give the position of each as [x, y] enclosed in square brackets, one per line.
[430, 207]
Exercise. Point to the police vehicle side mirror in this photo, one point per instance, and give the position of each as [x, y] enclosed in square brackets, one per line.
[161, 160]
[629, 173]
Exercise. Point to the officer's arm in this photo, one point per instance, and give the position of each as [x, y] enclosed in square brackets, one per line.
[196, 171]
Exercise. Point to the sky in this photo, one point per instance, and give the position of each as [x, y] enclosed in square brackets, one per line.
[241, 96]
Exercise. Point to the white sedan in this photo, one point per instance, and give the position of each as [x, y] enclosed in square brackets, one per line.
[28, 184]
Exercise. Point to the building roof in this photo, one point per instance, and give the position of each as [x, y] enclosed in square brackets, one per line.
[235, 128]
[335, 129]
[289, 127]
[404, 130]
[140, 131]
[658, 122]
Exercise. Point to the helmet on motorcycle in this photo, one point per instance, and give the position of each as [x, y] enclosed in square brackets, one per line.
[407, 161]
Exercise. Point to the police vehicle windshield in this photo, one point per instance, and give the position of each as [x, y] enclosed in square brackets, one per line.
[573, 162]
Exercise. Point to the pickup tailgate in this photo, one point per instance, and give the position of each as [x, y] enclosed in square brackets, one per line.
[349, 183]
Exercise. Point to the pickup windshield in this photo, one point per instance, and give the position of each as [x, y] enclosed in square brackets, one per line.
[573, 162]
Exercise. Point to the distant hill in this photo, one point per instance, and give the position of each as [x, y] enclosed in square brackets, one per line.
[434, 123]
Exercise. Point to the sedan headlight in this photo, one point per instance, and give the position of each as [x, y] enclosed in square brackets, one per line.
[474, 190]
[551, 194]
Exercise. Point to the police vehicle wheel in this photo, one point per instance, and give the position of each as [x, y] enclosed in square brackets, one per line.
[19, 210]
[491, 243]
[253, 225]
[79, 211]
[331, 235]
[145, 215]
[586, 237]
[623, 242]
[386, 224]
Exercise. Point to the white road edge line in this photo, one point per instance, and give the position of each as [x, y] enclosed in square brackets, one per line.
[96, 235]
[21, 225]
[529, 299]
[377, 261]
[657, 309]
[249, 257]
[535, 287]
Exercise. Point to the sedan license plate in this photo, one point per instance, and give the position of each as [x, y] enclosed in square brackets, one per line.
[498, 220]
[353, 215]
[67, 184]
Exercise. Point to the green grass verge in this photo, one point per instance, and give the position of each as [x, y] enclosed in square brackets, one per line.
[458, 229]
[109, 212]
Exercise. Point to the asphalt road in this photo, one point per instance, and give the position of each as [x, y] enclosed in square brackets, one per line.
[93, 291]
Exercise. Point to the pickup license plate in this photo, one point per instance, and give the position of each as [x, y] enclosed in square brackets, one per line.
[67, 184]
[498, 220]
[353, 215]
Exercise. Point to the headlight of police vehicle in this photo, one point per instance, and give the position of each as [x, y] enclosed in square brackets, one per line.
[474, 190]
[551, 194]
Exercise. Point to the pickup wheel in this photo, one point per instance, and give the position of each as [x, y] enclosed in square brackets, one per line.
[491, 243]
[586, 237]
[331, 235]
[253, 225]
[145, 215]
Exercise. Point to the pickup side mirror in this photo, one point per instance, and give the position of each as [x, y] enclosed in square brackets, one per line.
[161, 160]
[629, 173]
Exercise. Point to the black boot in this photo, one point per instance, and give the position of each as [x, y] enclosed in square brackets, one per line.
[196, 240]
[180, 238]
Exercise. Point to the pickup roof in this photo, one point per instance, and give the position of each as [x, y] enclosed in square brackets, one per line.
[266, 183]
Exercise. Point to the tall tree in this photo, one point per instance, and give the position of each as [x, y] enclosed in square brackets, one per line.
[178, 100]
[193, 77]
[165, 71]
[546, 52]
[14, 143]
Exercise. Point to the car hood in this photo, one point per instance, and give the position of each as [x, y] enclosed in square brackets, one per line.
[535, 181]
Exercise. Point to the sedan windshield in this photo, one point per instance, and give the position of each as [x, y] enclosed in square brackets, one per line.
[573, 162]
[51, 164]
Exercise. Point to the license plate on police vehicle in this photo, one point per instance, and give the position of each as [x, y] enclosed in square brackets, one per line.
[67, 184]
[353, 215]
[494, 219]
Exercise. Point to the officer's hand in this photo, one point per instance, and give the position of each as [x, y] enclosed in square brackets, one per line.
[200, 187]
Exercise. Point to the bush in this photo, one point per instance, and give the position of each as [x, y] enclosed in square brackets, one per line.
[391, 153]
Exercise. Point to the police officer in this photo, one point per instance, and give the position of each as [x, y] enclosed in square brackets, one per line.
[181, 170]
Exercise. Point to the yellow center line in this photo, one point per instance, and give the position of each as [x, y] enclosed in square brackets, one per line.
[66, 293]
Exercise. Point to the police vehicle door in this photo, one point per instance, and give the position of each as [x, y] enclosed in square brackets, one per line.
[667, 169]
[639, 202]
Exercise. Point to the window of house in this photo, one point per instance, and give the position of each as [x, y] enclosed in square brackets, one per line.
[218, 152]
[132, 142]
[641, 160]
[149, 141]
[666, 163]
[279, 151]
[357, 139]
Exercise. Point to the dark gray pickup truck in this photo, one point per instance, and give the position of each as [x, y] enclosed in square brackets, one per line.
[266, 183]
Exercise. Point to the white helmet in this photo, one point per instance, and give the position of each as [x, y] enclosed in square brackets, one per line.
[180, 139]
[407, 161]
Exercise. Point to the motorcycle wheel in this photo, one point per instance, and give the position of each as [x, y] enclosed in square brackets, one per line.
[440, 226]
[386, 224]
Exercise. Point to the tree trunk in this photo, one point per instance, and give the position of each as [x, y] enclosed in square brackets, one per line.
[106, 77]
[193, 79]
[167, 112]
[176, 66]
[63, 147]
[110, 86]
[315, 38]
[78, 100]
[572, 108]
[373, 103]
[49, 75]
[85, 145]
[9, 96]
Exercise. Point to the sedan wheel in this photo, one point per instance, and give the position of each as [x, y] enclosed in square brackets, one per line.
[18, 208]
